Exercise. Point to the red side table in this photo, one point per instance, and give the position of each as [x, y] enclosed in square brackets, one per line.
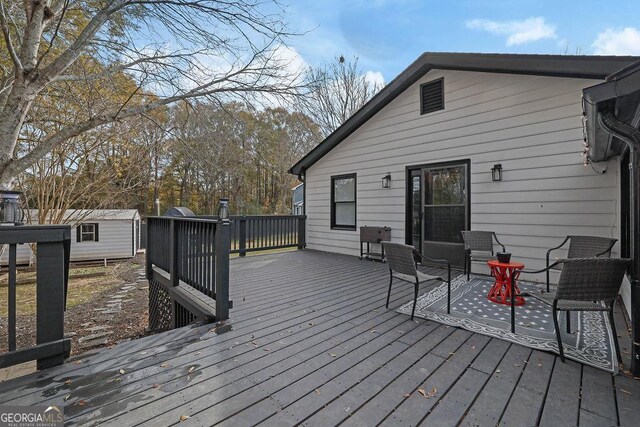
[504, 274]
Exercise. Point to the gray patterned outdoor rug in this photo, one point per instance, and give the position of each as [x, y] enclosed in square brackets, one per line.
[591, 340]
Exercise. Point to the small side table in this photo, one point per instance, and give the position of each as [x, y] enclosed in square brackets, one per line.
[504, 274]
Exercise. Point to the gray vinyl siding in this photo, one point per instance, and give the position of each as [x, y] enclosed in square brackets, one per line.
[529, 124]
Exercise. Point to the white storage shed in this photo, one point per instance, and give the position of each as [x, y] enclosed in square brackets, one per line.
[96, 235]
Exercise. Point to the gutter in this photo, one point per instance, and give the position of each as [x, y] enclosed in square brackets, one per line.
[631, 136]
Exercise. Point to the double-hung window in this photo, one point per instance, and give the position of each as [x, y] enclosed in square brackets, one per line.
[343, 202]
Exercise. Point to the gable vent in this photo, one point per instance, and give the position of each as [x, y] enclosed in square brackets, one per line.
[432, 96]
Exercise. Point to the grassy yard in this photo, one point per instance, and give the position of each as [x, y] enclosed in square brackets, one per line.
[81, 290]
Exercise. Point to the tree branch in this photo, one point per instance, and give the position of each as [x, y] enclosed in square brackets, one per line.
[73, 52]
[7, 39]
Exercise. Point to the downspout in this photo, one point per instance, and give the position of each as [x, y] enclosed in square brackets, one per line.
[631, 136]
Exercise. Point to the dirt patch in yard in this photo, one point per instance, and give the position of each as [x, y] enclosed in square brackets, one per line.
[106, 306]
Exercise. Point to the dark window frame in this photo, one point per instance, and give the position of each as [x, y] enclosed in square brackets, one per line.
[335, 226]
[80, 236]
[441, 82]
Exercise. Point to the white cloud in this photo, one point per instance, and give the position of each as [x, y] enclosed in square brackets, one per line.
[618, 42]
[374, 78]
[292, 68]
[517, 32]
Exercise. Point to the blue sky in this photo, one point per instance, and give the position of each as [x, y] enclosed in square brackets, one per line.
[387, 35]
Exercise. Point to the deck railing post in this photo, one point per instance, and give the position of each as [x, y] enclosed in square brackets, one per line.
[302, 240]
[242, 239]
[223, 246]
[50, 296]
[12, 297]
[147, 258]
[174, 256]
[174, 259]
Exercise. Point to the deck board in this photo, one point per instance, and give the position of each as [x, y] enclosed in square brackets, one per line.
[562, 405]
[310, 342]
[598, 397]
[494, 397]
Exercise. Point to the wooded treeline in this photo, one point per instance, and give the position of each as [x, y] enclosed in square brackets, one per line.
[187, 155]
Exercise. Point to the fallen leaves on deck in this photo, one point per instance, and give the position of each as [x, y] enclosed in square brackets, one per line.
[431, 393]
[184, 418]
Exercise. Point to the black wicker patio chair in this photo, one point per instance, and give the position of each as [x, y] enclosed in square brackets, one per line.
[582, 247]
[585, 284]
[401, 260]
[478, 246]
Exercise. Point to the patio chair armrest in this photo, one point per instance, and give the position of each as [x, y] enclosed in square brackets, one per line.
[438, 261]
[566, 239]
[608, 250]
[560, 261]
[498, 242]
[434, 260]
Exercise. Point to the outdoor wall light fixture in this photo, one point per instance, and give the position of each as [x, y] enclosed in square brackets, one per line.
[496, 172]
[223, 209]
[386, 181]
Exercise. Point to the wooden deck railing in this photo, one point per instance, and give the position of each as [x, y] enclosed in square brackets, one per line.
[264, 232]
[187, 267]
[188, 261]
[52, 272]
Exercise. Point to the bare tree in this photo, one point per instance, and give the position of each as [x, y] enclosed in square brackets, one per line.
[98, 169]
[218, 49]
[336, 92]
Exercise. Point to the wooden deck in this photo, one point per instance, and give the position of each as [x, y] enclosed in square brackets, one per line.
[310, 342]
